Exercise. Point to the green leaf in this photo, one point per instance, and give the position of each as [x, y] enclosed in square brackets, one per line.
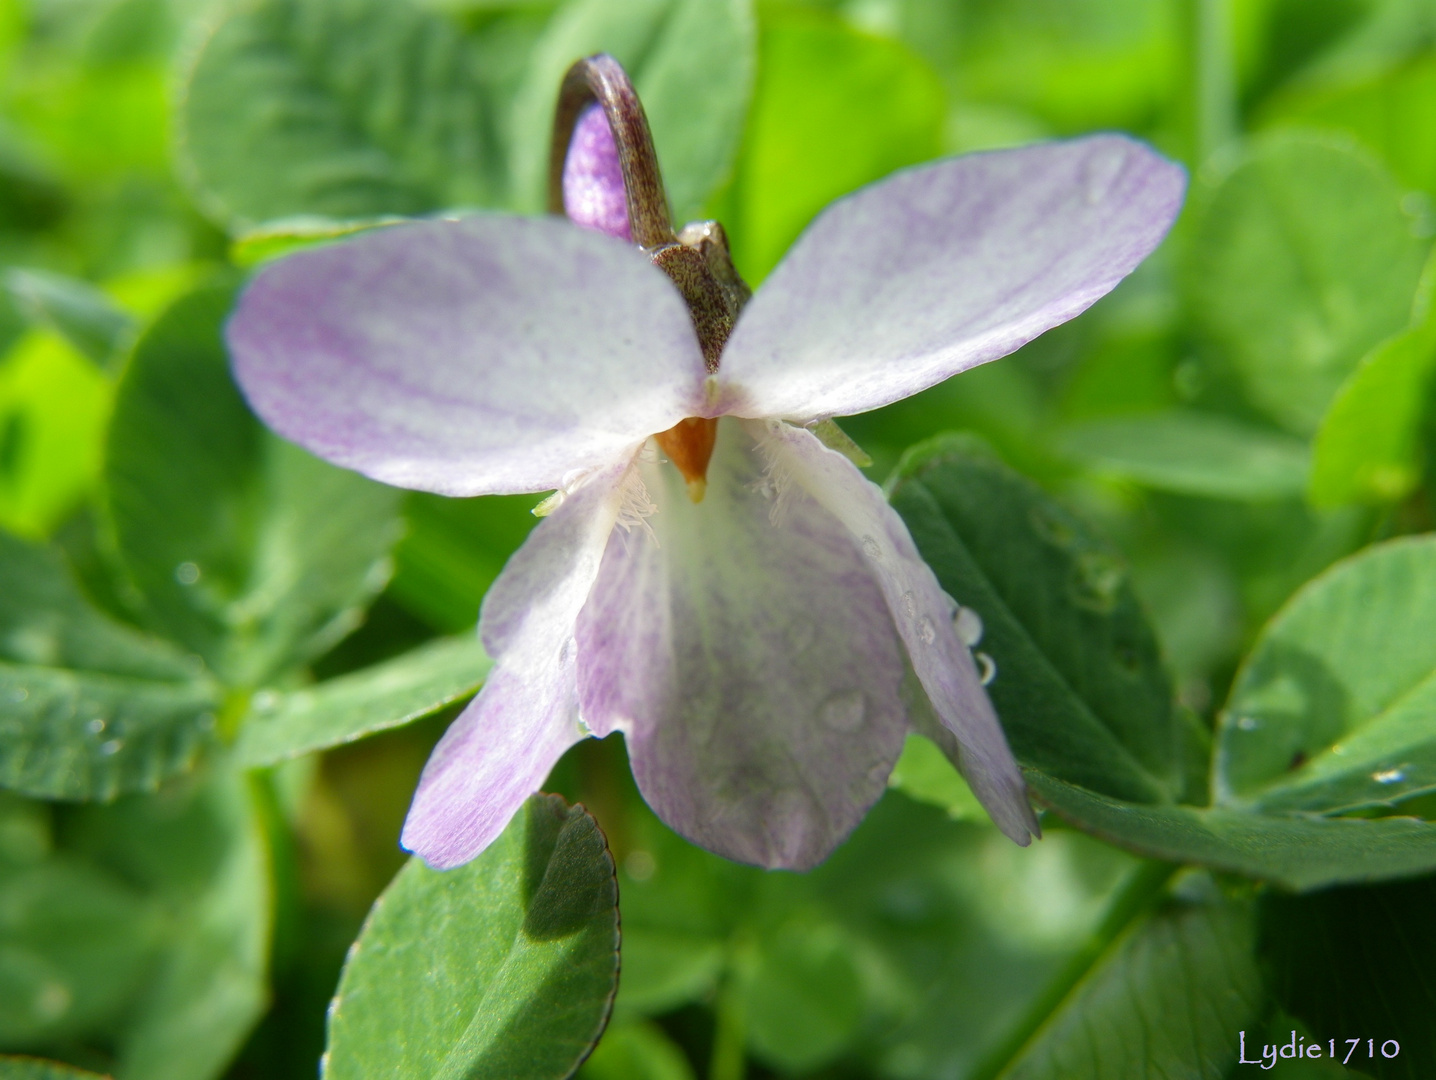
[801, 993]
[244, 548]
[1386, 110]
[1079, 684]
[53, 404]
[452, 551]
[1194, 454]
[505, 967]
[200, 850]
[1302, 260]
[76, 944]
[1296, 851]
[341, 710]
[24, 1068]
[1368, 446]
[691, 62]
[834, 109]
[76, 310]
[636, 1051]
[1359, 961]
[89, 708]
[1167, 999]
[1334, 710]
[924, 773]
[341, 108]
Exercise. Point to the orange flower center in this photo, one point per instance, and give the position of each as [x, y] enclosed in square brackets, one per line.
[689, 445]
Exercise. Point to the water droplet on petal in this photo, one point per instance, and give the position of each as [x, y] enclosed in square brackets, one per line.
[871, 548]
[1389, 776]
[968, 625]
[909, 605]
[844, 711]
[927, 631]
[986, 667]
[187, 573]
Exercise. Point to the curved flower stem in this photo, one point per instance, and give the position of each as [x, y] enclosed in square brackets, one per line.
[601, 78]
[1132, 899]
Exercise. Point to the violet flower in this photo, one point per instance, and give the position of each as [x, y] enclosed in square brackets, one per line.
[714, 579]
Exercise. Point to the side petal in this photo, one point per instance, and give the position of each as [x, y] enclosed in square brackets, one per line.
[485, 355]
[749, 659]
[941, 268]
[923, 614]
[501, 748]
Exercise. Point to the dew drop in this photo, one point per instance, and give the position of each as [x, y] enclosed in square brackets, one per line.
[871, 548]
[19, 694]
[927, 631]
[1246, 723]
[909, 605]
[95, 726]
[265, 701]
[844, 711]
[111, 748]
[986, 667]
[1389, 776]
[187, 573]
[968, 625]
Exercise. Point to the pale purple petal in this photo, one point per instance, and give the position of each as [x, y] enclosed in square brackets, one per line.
[750, 660]
[500, 749]
[923, 614]
[941, 268]
[489, 354]
[593, 193]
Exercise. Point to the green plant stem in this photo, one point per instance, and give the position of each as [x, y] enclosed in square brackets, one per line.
[1133, 898]
[730, 1036]
[1213, 78]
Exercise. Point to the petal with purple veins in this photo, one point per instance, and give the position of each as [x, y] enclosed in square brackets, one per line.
[923, 615]
[943, 267]
[751, 661]
[501, 748]
[485, 355]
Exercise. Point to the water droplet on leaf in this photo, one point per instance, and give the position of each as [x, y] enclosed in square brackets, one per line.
[968, 625]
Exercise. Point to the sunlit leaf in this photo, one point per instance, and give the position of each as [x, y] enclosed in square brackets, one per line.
[1193, 453]
[690, 60]
[505, 967]
[1335, 708]
[1303, 259]
[249, 551]
[82, 314]
[27, 1068]
[1078, 682]
[89, 708]
[53, 404]
[343, 108]
[398, 691]
[834, 109]
[1368, 446]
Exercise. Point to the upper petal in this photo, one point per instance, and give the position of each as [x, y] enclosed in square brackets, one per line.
[593, 193]
[923, 614]
[751, 662]
[485, 355]
[943, 267]
[500, 749]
